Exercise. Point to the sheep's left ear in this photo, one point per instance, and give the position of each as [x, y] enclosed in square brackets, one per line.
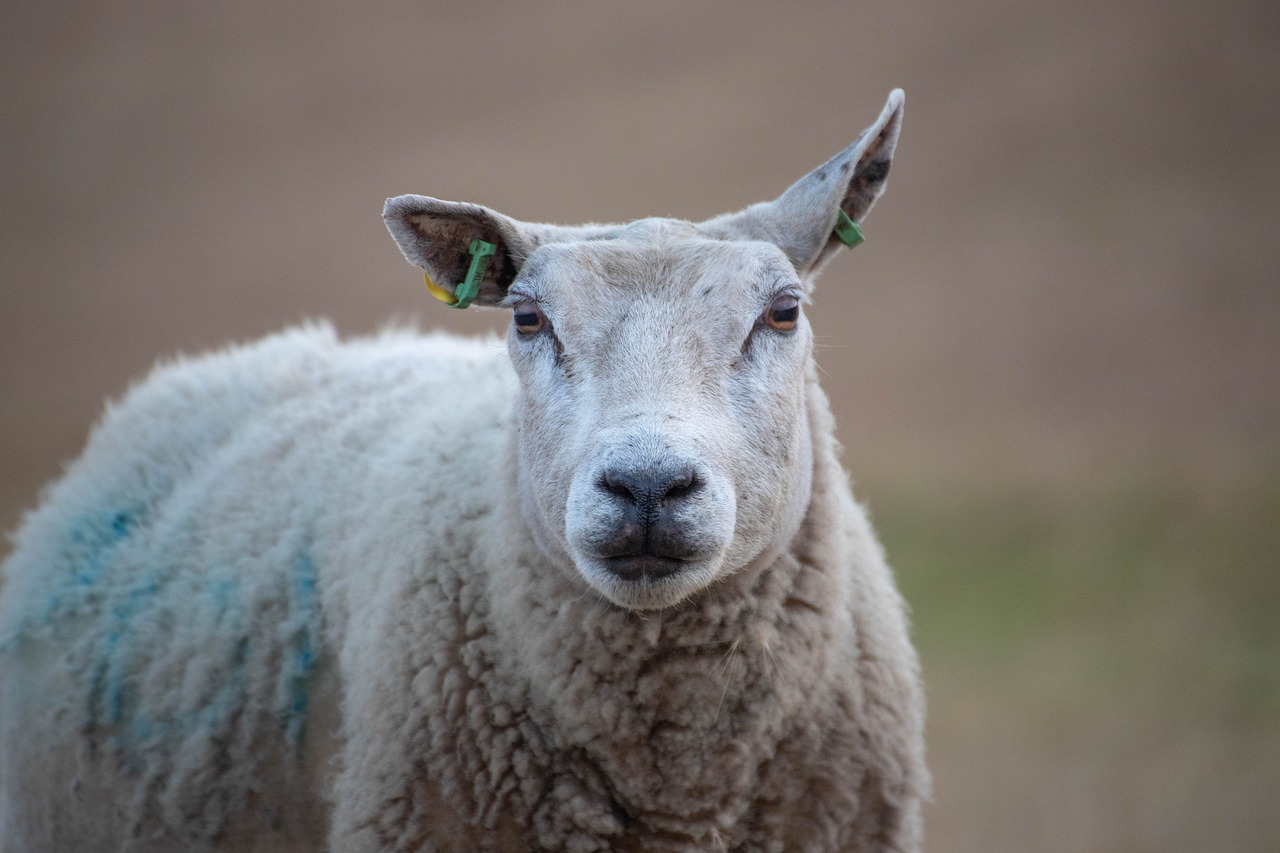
[802, 221]
[441, 238]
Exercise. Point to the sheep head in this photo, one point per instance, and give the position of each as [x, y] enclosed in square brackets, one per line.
[663, 435]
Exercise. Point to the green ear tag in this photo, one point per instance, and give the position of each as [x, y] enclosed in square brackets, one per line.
[847, 231]
[469, 288]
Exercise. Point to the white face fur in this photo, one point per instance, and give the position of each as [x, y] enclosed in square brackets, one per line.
[662, 366]
[663, 438]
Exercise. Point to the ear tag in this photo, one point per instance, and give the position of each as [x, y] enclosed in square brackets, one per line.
[465, 292]
[848, 231]
[437, 291]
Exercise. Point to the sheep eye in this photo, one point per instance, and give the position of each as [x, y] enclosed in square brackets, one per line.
[783, 313]
[528, 318]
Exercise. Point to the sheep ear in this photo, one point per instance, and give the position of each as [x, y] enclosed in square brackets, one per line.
[439, 236]
[802, 221]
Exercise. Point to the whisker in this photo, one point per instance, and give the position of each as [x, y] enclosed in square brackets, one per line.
[728, 660]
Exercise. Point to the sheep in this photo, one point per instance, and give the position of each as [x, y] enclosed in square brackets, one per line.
[608, 590]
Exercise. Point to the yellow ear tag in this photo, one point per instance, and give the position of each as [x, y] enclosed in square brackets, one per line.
[439, 292]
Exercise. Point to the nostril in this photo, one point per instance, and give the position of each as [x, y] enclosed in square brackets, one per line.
[648, 486]
[683, 485]
[618, 483]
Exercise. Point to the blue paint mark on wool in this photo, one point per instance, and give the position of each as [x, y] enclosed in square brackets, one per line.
[139, 610]
[298, 674]
[109, 698]
[89, 554]
[95, 539]
[121, 657]
[82, 561]
[137, 600]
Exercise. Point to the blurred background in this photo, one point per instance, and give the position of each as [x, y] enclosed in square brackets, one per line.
[1055, 362]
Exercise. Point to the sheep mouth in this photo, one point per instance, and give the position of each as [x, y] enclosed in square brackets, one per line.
[644, 567]
[647, 581]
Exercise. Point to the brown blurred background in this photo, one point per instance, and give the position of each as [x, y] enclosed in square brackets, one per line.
[1054, 362]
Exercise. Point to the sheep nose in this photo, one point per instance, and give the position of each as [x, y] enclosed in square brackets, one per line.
[649, 487]
[646, 504]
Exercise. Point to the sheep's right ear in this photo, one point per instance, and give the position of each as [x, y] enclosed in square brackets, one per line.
[439, 236]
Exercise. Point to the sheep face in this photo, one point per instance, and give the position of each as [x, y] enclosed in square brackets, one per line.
[662, 432]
